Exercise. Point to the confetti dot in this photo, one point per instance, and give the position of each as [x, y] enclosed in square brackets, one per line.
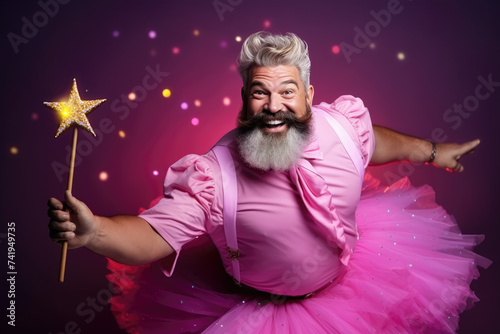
[197, 103]
[267, 24]
[196, 32]
[152, 34]
[34, 116]
[223, 44]
[132, 96]
[166, 93]
[176, 50]
[226, 101]
[401, 56]
[116, 33]
[184, 105]
[238, 38]
[14, 150]
[195, 121]
[103, 176]
[155, 172]
[336, 49]
[121, 133]
[372, 45]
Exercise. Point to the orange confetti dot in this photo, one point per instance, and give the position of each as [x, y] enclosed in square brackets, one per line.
[132, 96]
[121, 133]
[14, 150]
[103, 176]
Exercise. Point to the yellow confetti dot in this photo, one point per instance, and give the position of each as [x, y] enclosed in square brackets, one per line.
[132, 96]
[196, 32]
[238, 38]
[197, 103]
[121, 133]
[401, 56]
[14, 150]
[166, 93]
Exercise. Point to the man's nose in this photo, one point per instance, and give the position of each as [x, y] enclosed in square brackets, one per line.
[275, 103]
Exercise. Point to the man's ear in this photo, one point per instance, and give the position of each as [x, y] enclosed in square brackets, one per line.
[310, 95]
[243, 94]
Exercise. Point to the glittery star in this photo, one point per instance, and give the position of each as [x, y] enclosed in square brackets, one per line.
[74, 111]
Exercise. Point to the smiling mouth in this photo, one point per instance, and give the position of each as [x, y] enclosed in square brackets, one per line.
[274, 123]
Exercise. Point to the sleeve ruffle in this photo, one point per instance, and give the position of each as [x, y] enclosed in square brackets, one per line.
[192, 175]
[354, 110]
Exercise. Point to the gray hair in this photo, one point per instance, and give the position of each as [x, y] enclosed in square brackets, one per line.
[265, 49]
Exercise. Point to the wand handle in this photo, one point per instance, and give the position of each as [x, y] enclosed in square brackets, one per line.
[64, 250]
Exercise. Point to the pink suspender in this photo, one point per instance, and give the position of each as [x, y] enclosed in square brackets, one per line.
[230, 185]
[230, 194]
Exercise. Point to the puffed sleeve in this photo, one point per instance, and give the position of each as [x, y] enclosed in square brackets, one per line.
[182, 214]
[355, 112]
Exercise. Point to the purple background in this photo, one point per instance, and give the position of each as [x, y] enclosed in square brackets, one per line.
[448, 45]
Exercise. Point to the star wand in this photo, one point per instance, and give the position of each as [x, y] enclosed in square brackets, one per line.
[74, 111]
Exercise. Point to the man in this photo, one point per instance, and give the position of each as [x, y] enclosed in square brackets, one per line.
[299, 170]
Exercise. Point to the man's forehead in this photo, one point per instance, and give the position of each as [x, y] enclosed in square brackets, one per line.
[281, 73]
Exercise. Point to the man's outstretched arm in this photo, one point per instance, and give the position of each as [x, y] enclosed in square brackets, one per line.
[392, 146]
[125, 239]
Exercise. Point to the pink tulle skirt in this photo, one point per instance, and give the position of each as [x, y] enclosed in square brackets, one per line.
[410, 273]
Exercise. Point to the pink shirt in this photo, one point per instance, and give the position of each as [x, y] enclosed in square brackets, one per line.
[281, 250]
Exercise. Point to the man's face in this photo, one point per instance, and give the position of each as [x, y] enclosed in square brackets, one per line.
[276, 92]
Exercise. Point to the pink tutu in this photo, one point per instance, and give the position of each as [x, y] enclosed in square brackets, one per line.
[410, 273]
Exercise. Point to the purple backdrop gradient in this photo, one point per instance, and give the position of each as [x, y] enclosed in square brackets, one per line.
[448, 45]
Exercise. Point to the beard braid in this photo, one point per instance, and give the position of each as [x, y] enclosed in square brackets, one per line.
[274, 151]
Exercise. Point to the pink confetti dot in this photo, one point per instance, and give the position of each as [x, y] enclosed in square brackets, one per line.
[336, 49]
[152, 34]
[195, 121]
[226, 101]
[267, 24]
[155, 172]
[175, 50]
[116, 33]
[184, 105]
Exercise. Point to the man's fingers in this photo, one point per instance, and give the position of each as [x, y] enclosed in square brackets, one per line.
[71, 202]
[61, 226]
[61, 236]
[55, 204]
[58, 215]
[468, 148]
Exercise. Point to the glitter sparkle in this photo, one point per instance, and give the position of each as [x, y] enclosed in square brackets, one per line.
[74, 111]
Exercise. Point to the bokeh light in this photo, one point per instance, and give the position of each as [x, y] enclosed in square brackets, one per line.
[155, 172]
[238, 38]
[223, 44]
[103, 176]
[336, 49]
[14, 150]
[116, 33]
[121, 133]
[267, 24]
[184, 105]
[226, 101]
[401, 56]
[166, 93]
[176, 50]
[197, 103]
[372, 45]
[196, 32]
[34, 116]
[152, 34]
[195, 121]
[132, 96]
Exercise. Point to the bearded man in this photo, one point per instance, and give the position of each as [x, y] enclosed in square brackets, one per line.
[279, 197]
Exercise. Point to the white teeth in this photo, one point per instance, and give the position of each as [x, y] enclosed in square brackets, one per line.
[275, 122]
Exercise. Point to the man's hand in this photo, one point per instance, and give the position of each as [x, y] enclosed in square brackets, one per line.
[71, 220]
[448, 155]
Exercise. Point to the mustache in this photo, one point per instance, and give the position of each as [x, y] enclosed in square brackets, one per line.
[289, 118]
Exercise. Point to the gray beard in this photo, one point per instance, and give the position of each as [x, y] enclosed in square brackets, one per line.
[272, 151]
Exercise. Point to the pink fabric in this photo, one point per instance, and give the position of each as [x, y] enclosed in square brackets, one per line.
[409, 272]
